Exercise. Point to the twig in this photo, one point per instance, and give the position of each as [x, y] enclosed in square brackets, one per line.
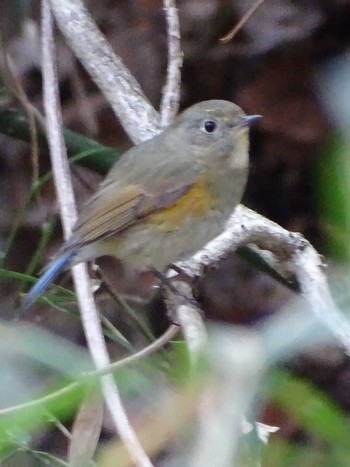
[125, 307]
[171, 92]
[120, 88]
[91, 323]
[86, 113]
[231, 34]
[59, 425]
[58, 153]
[169, 334]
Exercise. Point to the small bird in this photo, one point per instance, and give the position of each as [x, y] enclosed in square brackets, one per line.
[165, 198]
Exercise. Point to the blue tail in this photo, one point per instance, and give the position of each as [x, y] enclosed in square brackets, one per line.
[45, 280]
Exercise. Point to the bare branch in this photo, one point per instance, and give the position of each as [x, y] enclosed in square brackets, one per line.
[293, 256]
[171, 91]
[231, 34]
[120, 88]
[59, 161]
[91, 323]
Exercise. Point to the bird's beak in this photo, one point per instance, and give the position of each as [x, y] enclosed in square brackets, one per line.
[249, 120]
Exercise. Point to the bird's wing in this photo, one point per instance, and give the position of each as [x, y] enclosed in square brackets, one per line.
[115, 207]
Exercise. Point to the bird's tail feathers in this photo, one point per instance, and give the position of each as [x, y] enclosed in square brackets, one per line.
[49, 275]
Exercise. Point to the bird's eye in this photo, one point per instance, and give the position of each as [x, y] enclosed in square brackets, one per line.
[209, 126]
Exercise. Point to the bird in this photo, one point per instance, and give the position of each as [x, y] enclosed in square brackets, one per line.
[165, 198]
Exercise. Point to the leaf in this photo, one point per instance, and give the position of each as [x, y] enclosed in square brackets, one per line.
[86, 431]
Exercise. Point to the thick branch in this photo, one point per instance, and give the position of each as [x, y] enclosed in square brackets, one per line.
[120, 88]
[182, 308]
[289, 253]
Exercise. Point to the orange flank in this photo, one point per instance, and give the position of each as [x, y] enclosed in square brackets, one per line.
[195, 203]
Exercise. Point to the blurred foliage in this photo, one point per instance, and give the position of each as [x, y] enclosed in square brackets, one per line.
[334, 196]
[88, 152]
[323, 428]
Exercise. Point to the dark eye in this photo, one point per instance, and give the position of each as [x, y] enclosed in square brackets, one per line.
[210, 126]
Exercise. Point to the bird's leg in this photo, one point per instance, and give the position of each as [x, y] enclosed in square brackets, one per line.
[175, 293]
